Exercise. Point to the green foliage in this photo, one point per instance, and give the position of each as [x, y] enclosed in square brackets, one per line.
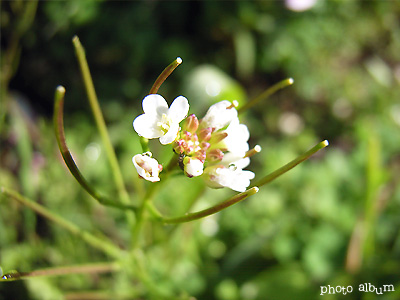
[332, 220]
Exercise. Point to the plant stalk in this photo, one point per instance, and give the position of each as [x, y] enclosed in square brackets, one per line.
[212, 210]
[101, 125]
[101, 244]
[58, 271]
[272, 176]
[276, 87]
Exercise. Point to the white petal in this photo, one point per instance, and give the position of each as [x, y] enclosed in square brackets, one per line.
[223, 176]
[218, 115]
[154, 104]
[238, 135]
[238, 131]
[219, 176]
[179, 109]
[237, 180]
[171, 135]
[232, 158]
[241, 180]
[146, 126]
[211, 176]
[235, 145]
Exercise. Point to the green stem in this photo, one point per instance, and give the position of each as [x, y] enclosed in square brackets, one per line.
[266, 94]
[272, 176]
[78, 269]
[11, 55]
[144, 143]
[154, 211]
[374, 175]
[212, 210]
[172, 164]
[164, 75]
[101, 244]
[58, 121]
[140, 263]
[101, 125]
[141, 214]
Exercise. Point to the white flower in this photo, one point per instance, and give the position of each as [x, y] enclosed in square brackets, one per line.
[219, 176]
[159, 121]
[219, 115]
[237, 138]
[193, 167]
[229, 173]
[147, 167]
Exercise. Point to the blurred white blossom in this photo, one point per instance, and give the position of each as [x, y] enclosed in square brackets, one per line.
[300, 5]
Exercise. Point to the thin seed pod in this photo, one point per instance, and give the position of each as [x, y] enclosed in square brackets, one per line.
[66, 154]
[276, 87]
[164, 75]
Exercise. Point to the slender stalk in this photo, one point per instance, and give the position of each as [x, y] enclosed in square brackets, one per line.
[101, 244]
[172, 164]
[374, 176]
[58, 121]
[164, 75]
[11, 55]
[141, 271]
[144, 143]
[154, 211]
[57, 271]
[212, 210]
[141, 214]
[276, 87]
[101, 125]
[272, 176]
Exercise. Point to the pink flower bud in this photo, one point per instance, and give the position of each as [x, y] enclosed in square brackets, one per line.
[217, 137]
[205, 134]
[201, 155]
[191, 123]
[215, 155]
[204, 145]
[180, 146]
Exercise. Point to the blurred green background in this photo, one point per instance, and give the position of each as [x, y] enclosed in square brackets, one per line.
[334, 220]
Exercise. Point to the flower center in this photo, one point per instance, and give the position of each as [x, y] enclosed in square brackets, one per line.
[165, 123]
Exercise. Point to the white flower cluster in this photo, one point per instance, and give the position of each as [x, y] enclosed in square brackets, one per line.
[215, 147]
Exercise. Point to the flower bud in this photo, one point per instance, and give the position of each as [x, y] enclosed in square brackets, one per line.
[218, 136]
[180, 146]
[192, 166]
[205, 145]
[148, 168]
[200, 155]
[215, 155]
[205, 134]
[191, 123]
